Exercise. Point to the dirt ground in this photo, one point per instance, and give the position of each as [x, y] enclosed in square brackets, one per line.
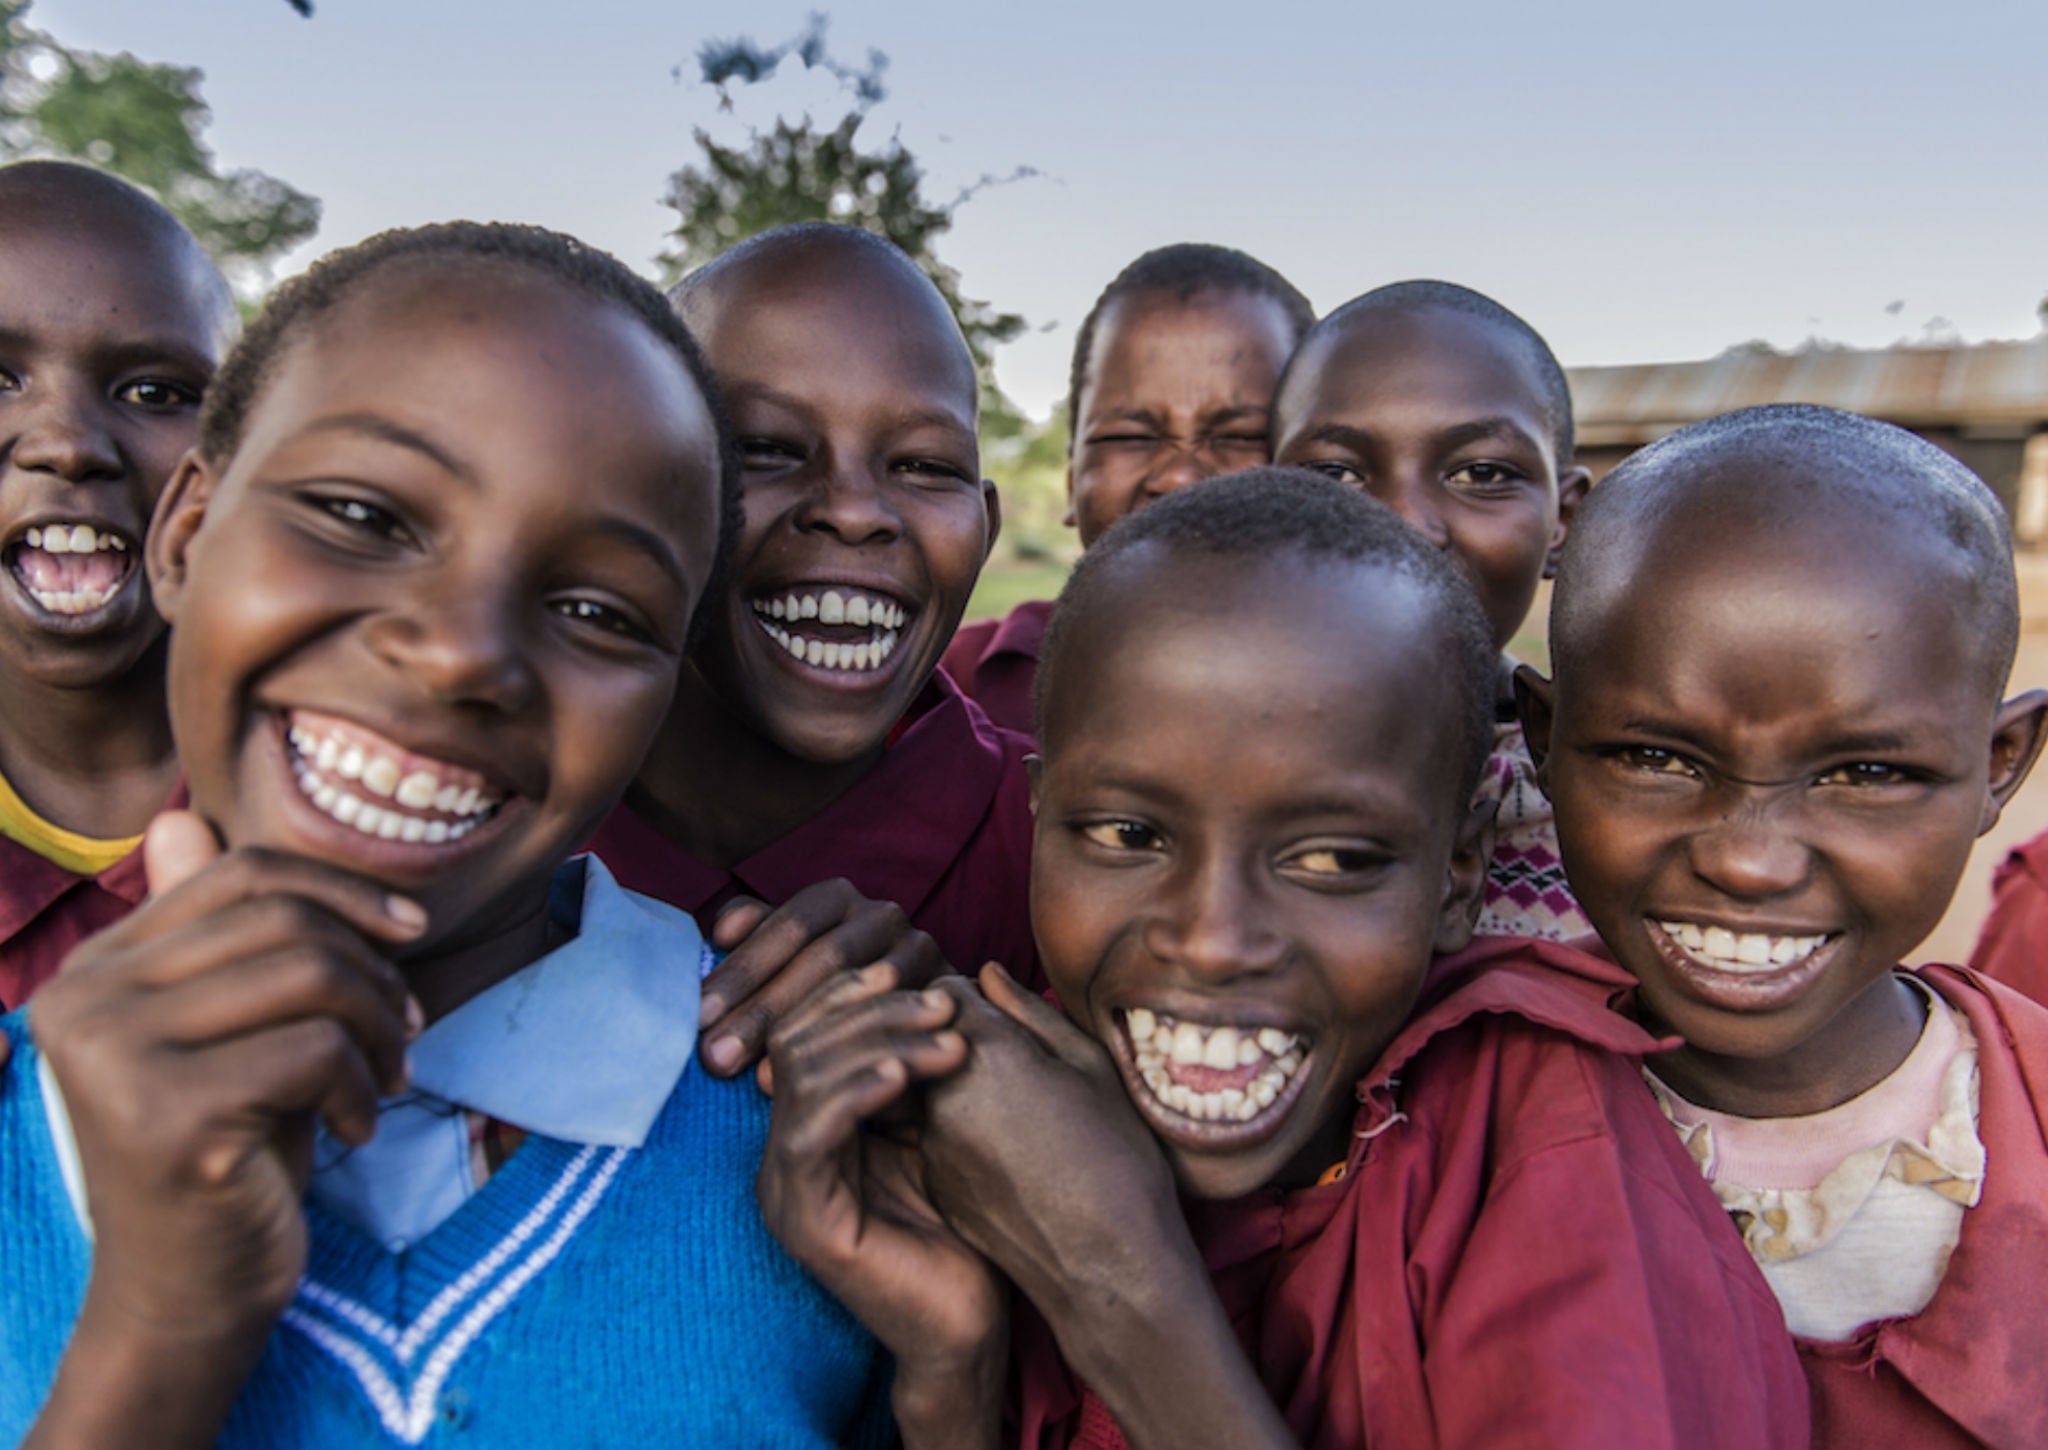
[2027, 816]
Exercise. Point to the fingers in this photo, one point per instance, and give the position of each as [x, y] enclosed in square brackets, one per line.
[256, 875]
[825, 930]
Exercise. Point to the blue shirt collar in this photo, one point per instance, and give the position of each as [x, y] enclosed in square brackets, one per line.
[588, 1043]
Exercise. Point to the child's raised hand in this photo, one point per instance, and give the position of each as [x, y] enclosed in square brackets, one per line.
[196, 1043]
[778, 957]
[849, 1204]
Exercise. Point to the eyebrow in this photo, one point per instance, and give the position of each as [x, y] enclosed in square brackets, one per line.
[909, 418]
[1870, 742]
[127, 352]
[1458, 435]
[383, 429]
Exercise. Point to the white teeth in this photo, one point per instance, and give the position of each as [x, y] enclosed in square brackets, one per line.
[832, 607]
[35, 538]
[56, 539]
[418, 790]
[437, 832]
[810, 607]
[350, 766]
[1160, 1045]
[1220, 1052]
[73, 539]
[857, 610]
[775, 610]
[325, 798]
[814, 652]
[415, 829]
[346, 809]
[1730, 951]
[381, 776]
[445, 799]
[327, 754]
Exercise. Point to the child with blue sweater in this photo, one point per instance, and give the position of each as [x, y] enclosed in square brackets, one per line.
[377, 1124]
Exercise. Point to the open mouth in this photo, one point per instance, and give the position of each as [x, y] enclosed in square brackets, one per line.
[1213, 1072]
[844, 629]
[380, 789]
[71, 569]
[1738, 971]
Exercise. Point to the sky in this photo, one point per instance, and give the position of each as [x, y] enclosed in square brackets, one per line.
[1641, 184]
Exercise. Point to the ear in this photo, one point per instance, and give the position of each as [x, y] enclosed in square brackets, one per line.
[2016, 737]
[1535, 698]
[1465, 878]
[992, 501]
[1067, 518]
[1034, 777]
[1571, 492]
[180, 509]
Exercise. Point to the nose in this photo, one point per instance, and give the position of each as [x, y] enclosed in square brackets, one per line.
[463, 644]
[1415, 499]
[849, 502]
[1184, 464]
[1214, 922]
[1753, 851]
[63, 430]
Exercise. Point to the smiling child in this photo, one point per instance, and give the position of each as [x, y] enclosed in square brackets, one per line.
[1425, 1204]
[112, 320]
[1780, 641]
[1172, 382]
[1453, 412]
[812, 736]
[432, 572]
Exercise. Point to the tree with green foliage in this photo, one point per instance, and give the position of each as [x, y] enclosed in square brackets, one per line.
[145, 122]
[799, 171]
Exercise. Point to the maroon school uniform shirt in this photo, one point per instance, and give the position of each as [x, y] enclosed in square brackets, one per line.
[1971, 1369]
[2013, 947]
[1514, 1255]
[995, 661]
[46, 910]
[941, 826]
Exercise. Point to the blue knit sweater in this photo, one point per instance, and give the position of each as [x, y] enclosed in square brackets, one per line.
[585, 1296]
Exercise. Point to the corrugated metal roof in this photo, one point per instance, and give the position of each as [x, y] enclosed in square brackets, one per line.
[1992, 384]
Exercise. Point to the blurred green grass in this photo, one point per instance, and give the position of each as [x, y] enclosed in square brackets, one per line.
[1007, 583]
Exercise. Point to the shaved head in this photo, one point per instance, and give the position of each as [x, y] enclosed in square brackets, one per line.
[1811, 477]
[86, 201]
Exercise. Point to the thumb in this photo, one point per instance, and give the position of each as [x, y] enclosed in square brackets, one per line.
[1038, 1017]
[177, 847]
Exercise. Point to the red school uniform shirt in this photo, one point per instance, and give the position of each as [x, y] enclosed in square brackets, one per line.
[995, 662]
[46, 910]
[1513, 1255]
[1971, 1369]
[2013, 947]
[941, 826]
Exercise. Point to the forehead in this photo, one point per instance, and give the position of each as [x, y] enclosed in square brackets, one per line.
[109, 271]
[1416, 368]
[835, 323]
[1762, 612]
[1160, 337]
[1333, 666]
[516, 377]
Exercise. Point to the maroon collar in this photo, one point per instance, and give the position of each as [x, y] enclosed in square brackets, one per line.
[35, 882]
[894, 834]
[1022, 631]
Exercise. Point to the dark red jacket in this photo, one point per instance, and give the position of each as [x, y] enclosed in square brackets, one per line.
[1971, 1369]
[2013, 947]
[941, 826]
[1521, 1253]
[995, 662]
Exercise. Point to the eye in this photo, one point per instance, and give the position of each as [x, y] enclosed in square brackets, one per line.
[1867, 773]
[1124, 440]
[1651, 760]
[9, 383]
[1487, 477]
[1121, 835]
[602, 616]
[1342, 472]
[360, 514]
[1241, 442]
[157, 395]
[768, 453]
[1335, 862]
[936, 470]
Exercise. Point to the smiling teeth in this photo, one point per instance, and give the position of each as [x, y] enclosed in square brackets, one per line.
[1160, 1043]
[328, 768]
[73, 539]
[834, 606]
[1727, 951]
[831, 655]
